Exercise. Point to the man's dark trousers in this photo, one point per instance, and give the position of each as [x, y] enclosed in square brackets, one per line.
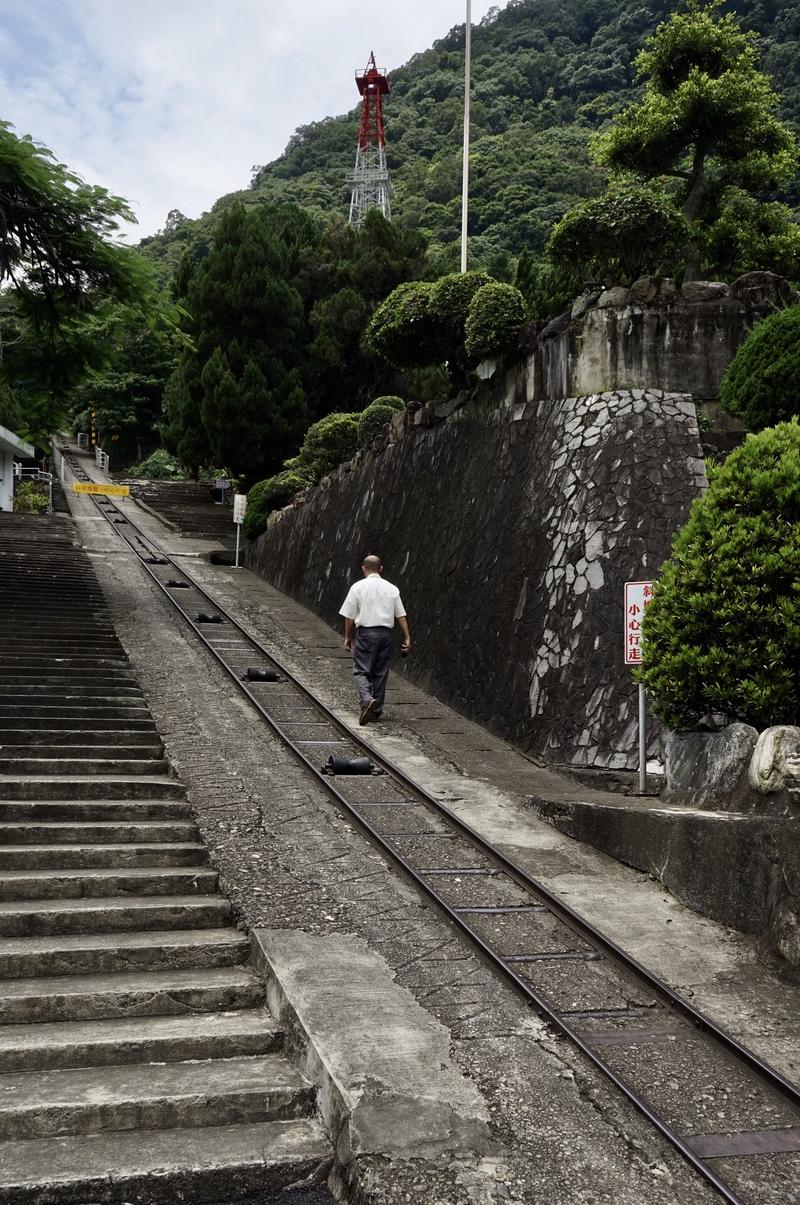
[372, 652]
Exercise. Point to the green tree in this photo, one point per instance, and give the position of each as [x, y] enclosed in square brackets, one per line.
[182, 431]
[126, 394]
[448, 307]
[496, 313]
[243, 378]
[616, 238]
[401, 329]
[707, 119]
[762, 383]
[721, 637]
[58, 268]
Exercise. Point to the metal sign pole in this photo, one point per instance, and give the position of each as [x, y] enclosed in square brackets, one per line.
[239, 510]
[642, 741]
[637, 599]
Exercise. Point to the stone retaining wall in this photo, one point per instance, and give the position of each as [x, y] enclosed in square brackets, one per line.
[510, 532]
[653, 334]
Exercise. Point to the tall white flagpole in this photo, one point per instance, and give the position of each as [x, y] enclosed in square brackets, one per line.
[465, 169]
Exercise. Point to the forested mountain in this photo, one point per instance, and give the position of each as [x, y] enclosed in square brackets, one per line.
[546, 74]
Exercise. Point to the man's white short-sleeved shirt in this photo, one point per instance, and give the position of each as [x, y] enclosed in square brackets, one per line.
[373, 603]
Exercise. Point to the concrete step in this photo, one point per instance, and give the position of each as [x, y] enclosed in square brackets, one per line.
[99, 786]
[141, 994]
[49, 692]
[116, 915]
[219, 1163]
[82, 751]
[63, 766]
[75, 720]
[39, 1104]
[87, 883]
[99, 832]
[69, 675]
[39, 742]
[15, 656]
[84, 810]
[66, 857]
[60, 1044]
[105, 953]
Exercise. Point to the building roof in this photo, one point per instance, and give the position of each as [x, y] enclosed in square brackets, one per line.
[9, 442]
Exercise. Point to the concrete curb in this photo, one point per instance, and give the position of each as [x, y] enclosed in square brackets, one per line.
[387, 1084]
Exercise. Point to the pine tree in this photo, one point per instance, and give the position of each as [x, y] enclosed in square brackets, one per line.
[248, 327]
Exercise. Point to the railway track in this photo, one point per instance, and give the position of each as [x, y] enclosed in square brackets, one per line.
[681, 1070]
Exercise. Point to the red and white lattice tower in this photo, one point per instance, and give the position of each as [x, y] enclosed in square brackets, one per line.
[372, 188]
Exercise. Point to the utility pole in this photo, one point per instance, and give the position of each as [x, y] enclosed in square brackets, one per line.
[465, 168]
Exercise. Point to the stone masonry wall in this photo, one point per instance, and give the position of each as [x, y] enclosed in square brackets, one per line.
[510, 532]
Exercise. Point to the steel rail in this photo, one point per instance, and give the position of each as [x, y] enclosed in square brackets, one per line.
[709, 1029]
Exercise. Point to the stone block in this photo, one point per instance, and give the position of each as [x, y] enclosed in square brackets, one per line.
[767, 773]
[703, 290]
[585, 302]
[648, 289]
[710, 769]
[762, 290]
[556, 327]
[614, 299]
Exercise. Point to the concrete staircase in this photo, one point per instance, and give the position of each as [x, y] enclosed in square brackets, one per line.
[137, 1060]
[187, 506]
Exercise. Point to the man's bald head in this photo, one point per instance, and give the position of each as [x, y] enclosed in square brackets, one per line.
[371, 564]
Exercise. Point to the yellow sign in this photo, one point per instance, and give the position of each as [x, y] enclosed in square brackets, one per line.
[116, 491]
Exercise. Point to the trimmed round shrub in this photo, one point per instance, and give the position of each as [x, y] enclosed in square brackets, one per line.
[451, 296]
[389, 399]
[496, 313]
[721, 637]
[372, 421]
[328, 443]
[625, 234]
[401, 330]
[762, 384]
[271, 494]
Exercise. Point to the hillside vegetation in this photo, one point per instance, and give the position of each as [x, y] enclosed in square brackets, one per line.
[546, 75]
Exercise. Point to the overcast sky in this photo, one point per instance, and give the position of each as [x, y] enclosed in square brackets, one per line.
[170, 102]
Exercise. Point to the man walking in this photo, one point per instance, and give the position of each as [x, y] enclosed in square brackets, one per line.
[372, 605]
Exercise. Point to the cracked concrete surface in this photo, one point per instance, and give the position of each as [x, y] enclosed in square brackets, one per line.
[289, 860]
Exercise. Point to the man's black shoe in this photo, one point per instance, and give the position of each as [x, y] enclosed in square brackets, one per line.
[366, 712]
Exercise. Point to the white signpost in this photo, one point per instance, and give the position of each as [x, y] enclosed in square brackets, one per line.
[239, 508]
[637, 596]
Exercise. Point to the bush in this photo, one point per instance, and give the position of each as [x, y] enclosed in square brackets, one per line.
[389, 399]
[271, 494]
[496, 313]
[450, 301]
[159, 466]
[327, 444]
[722, 634]
[30, 498]
[401, 330]
[620, 236]
[762, 384]
[372, 421]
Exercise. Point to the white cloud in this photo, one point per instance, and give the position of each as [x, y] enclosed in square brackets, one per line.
[170, 102]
